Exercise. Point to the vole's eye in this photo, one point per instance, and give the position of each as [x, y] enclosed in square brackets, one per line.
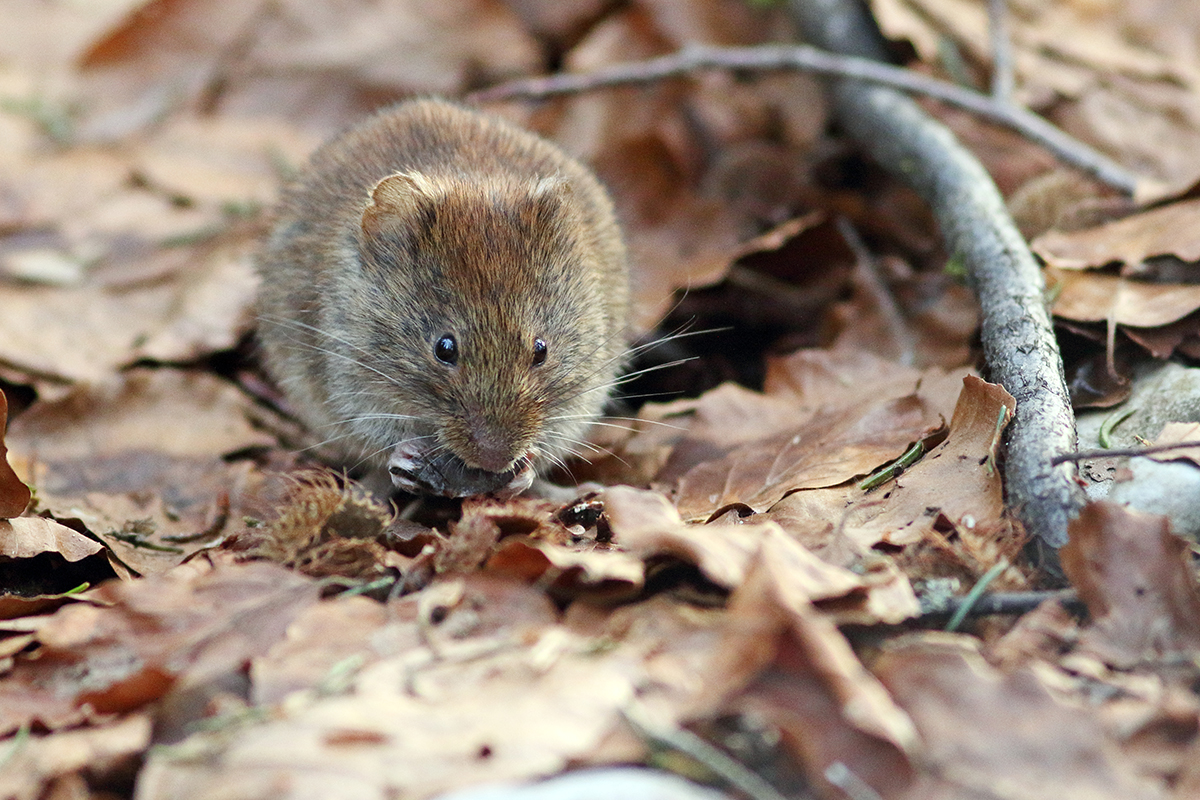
[539, 351]
[445, 349]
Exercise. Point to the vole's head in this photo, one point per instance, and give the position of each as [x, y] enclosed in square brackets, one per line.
[487, 344]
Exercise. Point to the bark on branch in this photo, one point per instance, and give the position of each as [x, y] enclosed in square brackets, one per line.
[1018, 341]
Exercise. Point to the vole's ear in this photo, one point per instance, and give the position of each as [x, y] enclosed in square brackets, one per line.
[550, 197]
[395, 202]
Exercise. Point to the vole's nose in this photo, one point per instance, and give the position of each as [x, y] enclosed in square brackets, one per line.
[492, 451]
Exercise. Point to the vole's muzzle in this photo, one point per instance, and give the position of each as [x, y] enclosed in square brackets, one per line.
[447, 475]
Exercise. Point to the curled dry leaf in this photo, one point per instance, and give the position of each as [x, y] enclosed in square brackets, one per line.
[648, 526]
[956, 486]
[599, 575]
[1168, 230]
[783, 660]
[1178, 433]
[832, 446]
[522, 538]
[43, 564]
[485, 521]
[26, 537]
[351, 48]
[1003, 735]
[1136, 579]
[31, 767]
[1181, 336]
[493, 690]
[189, 629]
[14, 495]
[139, 460]
[1087, 297]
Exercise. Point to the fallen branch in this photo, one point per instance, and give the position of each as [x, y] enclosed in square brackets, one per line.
[1018, 340]
[694, 58]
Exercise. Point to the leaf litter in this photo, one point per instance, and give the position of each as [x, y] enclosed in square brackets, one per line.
[191, 608]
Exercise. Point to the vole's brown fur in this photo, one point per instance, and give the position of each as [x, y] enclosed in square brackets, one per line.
[431, 220]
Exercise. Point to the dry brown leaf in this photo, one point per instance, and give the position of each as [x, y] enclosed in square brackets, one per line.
[100, 750]
[44, 564]
[486, 520]
[1177, 433]
[828, 377]
[841, 376]
[1041, 635]
[85, 332]
[817, 519]
[189, 629]
[1135, 577]
[320, 60]
[139, 460]
[703, 430]
[174, 412]
[833, 446]
[597, 574]
[956, 485]
[324, 638]
[108, 262]
[1001, 735]
[647, 525]
[26, 537]
[782, 660]
[1166, 230]
[14, 495]
[495, 691]
[1122, 76]
[1088, 297]
[1181, 336]
[337, 638]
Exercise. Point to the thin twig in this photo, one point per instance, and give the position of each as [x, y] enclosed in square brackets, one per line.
[1019, 346]
[1000, 603]
[1003, 68]
[805, 58]
[720, 763]
[866, 276]
[1125, 452]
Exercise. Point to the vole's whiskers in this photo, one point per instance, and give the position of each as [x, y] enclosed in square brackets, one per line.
[573, 446]
[327, 351]
[365, 417]
[591, 447]
[372, 455]
[572, 387]
[330, 440]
